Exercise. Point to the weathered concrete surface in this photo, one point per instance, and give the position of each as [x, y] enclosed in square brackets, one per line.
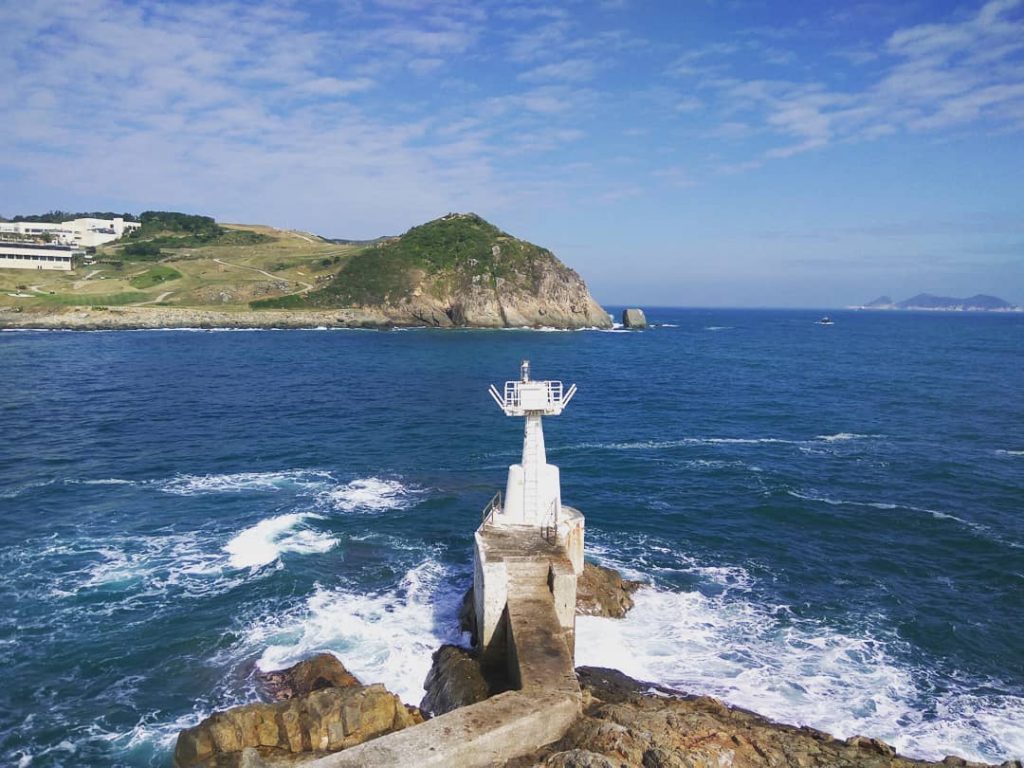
[484, 734]
[498, 550]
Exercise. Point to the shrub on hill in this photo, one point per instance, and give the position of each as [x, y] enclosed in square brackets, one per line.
[146, 251]
[170, 229]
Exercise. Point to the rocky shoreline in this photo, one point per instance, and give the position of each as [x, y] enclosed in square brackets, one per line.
[160, 318]
[317, 708]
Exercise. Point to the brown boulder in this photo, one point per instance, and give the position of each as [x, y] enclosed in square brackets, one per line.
[313, 674]
[455, 680]
[602, 591]
[323, 721]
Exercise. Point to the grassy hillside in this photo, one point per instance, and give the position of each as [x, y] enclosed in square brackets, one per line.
[446, 253]
[183, 261]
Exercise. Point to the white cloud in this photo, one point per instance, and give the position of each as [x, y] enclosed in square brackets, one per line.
[930, 77]
[567, 70]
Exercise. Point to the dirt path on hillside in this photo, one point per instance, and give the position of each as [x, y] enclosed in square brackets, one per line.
[306, 286]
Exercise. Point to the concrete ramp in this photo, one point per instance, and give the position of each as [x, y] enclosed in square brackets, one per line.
[507, 725]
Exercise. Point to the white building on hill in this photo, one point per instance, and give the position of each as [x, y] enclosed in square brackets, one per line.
[86, 233]
[38, 256]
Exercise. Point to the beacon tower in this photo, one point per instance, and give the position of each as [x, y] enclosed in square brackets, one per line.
[528, 543]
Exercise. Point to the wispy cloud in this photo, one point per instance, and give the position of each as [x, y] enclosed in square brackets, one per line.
[927, 77]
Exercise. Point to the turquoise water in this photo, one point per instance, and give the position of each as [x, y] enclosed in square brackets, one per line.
[831, 517]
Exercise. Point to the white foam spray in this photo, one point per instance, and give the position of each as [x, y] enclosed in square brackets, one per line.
[387, 637]
[803, 672]
[268, 539]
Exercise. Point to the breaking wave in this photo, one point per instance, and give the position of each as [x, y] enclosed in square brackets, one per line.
[762, 658]
[267, 540]
[385, 637]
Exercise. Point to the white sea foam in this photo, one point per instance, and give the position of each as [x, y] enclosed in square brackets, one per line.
[804, 445]
[718, 327]
[979, 529]
[369, 494]
[269, 539]
[386, 637]
[1002, 452]
[800, 672]
[18, 490]
[103, 481]
[191, 485]
[844, 436]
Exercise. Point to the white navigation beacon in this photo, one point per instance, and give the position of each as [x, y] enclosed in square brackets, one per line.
[533, 493]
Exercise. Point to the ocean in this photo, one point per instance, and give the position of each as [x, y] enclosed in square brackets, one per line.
[831, 518]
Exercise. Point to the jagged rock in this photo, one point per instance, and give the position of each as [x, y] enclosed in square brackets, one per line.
[455, 680]
[578, 758]
[313, 674]
[632, 728]
[602, 591]
[323, 721]
[874, 745]
[634, 318]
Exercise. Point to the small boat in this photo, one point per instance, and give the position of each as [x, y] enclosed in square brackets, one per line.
[826, 320]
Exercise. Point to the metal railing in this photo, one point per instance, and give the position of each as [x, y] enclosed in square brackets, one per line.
[492, 506]
[549, 529]
[510, 399]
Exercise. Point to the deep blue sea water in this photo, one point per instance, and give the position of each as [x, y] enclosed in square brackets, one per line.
[832, 517]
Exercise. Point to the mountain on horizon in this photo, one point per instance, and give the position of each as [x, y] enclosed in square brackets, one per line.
[978, 303]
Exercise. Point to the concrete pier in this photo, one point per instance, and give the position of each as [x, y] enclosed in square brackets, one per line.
[547, 702]
[528, 554]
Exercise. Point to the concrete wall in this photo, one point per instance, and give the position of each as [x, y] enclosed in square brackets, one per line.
[571, 532]
[490, 594]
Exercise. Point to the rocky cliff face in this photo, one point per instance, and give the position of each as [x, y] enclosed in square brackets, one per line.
[460, 270]
[627, 723]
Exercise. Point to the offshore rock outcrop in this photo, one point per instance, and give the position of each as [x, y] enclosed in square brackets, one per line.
[630, 724]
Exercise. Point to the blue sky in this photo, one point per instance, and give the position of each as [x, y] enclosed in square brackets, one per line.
[695, 152]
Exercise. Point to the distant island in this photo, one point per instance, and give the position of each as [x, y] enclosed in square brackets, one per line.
[927, 301]
[181, 270]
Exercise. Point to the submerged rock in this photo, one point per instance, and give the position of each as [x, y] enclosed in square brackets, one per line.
[455, 680]
[602, 591]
